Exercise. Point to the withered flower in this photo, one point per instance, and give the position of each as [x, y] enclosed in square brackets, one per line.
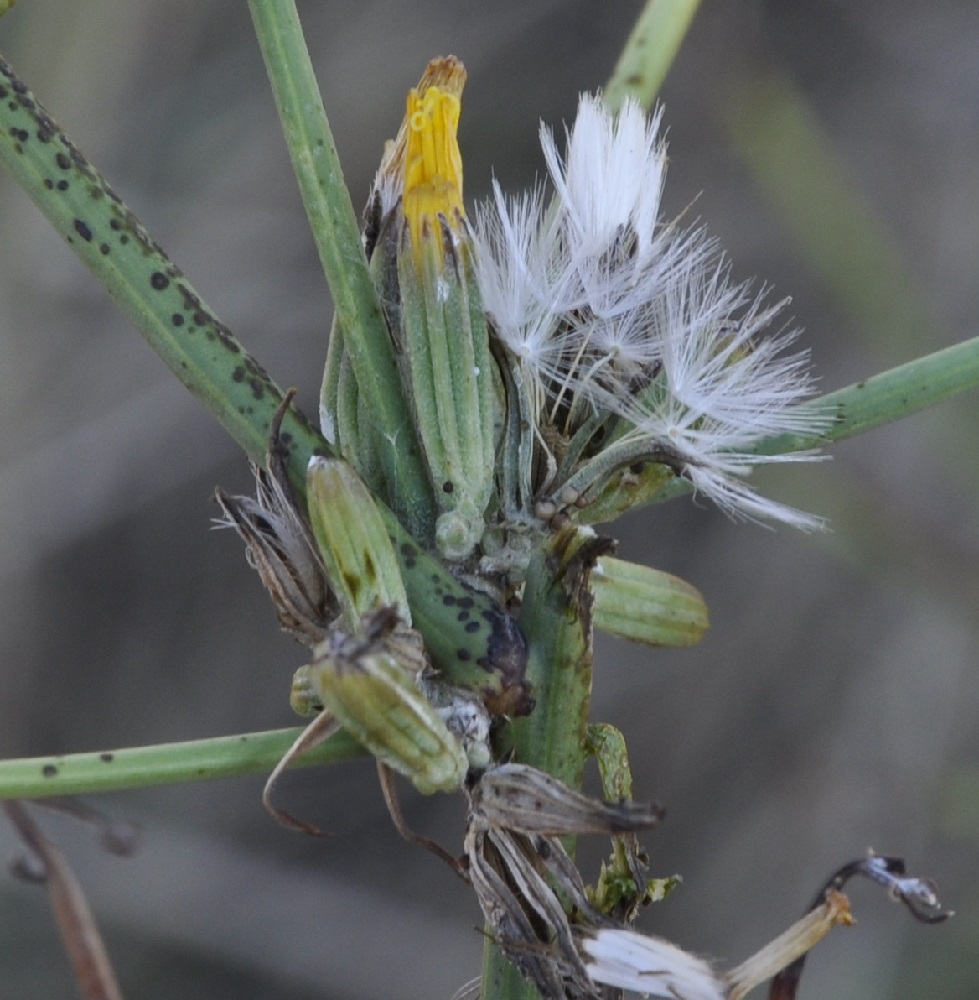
[518, 864]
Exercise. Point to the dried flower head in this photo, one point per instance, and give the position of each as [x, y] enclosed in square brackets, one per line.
[628, 340]
[515, 859]
[280, 546]
[624, 959]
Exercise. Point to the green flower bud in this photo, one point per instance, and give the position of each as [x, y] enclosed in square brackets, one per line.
[646, 605]
[435, 311]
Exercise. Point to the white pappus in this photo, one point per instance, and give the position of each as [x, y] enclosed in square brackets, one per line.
[605, 307]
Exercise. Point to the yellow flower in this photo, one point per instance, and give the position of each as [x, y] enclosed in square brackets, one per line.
[424, 161]
[433, 164]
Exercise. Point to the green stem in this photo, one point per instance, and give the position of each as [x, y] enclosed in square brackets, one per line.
[337, 236]
[556, 618]
[164, 764]
[649, 52]
[884, 398]
[108, 238]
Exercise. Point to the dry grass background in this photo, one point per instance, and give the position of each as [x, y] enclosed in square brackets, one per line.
[833, 704]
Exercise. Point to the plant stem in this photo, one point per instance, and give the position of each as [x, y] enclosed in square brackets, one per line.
[163, 764]
[337, 236]
[884, 398]
[556, 619]
[109, 239]
[649, 52]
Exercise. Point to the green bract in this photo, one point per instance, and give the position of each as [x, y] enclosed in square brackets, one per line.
[358, 555]
[453, 382]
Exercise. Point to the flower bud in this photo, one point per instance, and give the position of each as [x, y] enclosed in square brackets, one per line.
[439, 322]
[646, 605]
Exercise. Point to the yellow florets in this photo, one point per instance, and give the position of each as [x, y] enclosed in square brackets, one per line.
[432, 161]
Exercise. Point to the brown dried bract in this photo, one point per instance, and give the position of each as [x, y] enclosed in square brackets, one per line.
[517, 813]
[280, 546]
[526, 800]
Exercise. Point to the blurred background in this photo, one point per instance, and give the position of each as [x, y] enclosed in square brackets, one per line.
[832, 147]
